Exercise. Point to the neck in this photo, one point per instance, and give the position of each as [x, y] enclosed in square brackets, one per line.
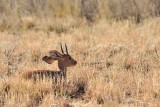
[63, 69]
[61, 65]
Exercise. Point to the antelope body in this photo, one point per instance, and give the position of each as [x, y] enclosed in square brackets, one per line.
[64, 61]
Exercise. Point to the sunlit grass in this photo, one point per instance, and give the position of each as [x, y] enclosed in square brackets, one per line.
[118, 64]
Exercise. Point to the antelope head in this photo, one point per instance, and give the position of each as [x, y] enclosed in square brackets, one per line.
[64, 59]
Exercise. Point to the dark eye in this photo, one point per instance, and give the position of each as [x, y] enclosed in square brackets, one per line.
[69, 58]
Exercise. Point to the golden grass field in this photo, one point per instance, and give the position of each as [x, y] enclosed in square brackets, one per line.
[118, 63]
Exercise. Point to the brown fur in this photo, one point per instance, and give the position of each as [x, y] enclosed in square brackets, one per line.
[64, 61]
[41, 74]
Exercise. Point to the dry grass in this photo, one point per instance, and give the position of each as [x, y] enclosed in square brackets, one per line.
[15, 13]
[118, 64]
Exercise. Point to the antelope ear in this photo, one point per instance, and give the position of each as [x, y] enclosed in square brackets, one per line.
[55, 54]
[48, 60]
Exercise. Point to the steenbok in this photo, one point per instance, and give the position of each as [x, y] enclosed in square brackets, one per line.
[64, 61]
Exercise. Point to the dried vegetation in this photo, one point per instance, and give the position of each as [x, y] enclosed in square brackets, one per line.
[118, 60]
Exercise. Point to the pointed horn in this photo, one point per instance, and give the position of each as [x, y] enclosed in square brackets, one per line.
[62, 49]
[66, 48]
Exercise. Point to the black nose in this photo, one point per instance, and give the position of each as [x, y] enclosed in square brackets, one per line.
[75, 62]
